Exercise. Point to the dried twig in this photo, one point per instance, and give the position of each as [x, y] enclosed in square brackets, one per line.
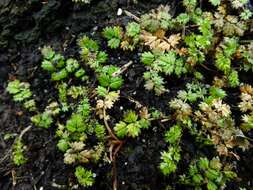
[122, 69]
[132, 15]
[24, 131]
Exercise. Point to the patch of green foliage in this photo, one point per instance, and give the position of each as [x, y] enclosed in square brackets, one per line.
[167, 63]
[84, 177]
[106, 78]
[209, 173]
[43, 120]
[58, 67]
[154, 82]
[20, 90]
[21, 93]
[172, 156]
[18, 156]
[170, 159]
[130, 126]
[191, 45]
[113, 35]
[173, 135]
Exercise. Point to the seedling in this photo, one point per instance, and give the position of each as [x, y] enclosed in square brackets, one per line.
[18, 156]
[113, 35]
[170, 159]
[84, 177]
[130, 126]
[19, 90]
[106, 79]
[43, 120]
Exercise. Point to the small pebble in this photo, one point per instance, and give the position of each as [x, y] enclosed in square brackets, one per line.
[95, 28]
[119, 12]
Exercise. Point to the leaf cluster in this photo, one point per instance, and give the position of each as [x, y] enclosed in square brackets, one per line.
[21, 93]
[209, 173]
[130, 126]
[77, 152]
[170, 159]
[246, 107]
[58, 67]
[106, 78]
[84, 176]
[114, 35]
[18, 156]
[159, 18]
[168, 63]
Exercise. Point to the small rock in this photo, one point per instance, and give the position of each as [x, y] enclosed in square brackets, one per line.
[119, 12]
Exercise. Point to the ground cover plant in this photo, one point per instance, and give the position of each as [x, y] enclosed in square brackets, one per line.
[174, 79]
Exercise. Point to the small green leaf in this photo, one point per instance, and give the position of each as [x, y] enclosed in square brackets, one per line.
[101, 91]
[43, 120]
[62, 74]
[112, 32]
[84, 177]
[215, 2]
[116, 83]
[203, 163]
[76, 123]
[147, 58]
[133, 129]
[133, 29]
[47, 66]
[211, 186]
[71, 65]
[130, 117]
[47, 53]
[63, 145]
[88, 44]
[233, 79]
[121, 129]
[114, 43]
[174, 134]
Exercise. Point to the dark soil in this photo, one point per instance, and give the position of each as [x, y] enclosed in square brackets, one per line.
[25, 26]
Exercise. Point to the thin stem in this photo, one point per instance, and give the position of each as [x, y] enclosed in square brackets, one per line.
[108, 127]
[24, 131]
[207, 68]
[122, 69]
[114, 174]
[132, 16]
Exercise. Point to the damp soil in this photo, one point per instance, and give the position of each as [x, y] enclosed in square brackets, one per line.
[25, 27]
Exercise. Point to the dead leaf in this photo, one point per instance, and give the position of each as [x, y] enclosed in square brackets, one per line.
[162, 44]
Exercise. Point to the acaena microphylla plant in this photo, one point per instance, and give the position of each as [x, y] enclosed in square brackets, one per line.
[192, 45]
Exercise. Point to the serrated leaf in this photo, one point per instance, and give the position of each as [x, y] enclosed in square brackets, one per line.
[121, 129]
[133, 129]
[174, 134]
